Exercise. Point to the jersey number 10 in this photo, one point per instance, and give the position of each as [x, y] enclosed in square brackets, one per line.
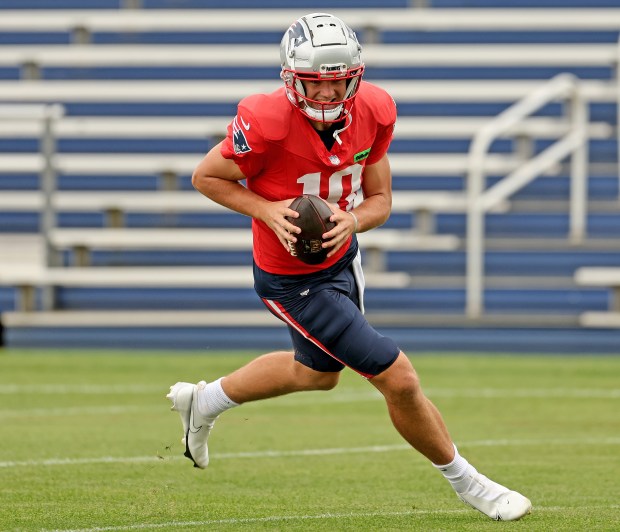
[342, 187]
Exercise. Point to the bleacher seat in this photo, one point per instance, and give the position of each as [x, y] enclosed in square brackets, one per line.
[524, 4]
[137, 122]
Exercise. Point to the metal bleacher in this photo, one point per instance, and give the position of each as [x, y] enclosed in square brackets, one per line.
[148, 86]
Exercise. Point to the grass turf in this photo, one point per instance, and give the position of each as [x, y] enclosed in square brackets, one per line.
[88, 442]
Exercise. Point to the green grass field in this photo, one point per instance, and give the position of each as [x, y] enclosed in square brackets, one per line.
[88, 443]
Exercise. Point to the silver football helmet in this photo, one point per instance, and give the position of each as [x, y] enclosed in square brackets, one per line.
[320, 47]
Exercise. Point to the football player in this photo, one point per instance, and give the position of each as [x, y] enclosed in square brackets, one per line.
[325, 133]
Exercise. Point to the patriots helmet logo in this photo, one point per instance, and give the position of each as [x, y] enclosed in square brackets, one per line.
[296, 35]
[240, 142]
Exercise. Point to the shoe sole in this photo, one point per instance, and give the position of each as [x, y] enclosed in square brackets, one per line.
[182, 394]
[187, 452]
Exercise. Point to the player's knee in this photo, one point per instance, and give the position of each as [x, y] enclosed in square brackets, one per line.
[400, 382]
[309, 379]
[326, 381]
[405, 388]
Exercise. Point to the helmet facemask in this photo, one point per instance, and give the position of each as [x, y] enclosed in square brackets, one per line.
[320, 47]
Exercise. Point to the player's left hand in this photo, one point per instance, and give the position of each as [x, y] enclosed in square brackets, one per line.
[345, 227]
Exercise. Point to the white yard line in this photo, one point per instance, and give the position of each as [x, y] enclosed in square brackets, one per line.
[10, 389]
[344, 394]
[250, 520]
[76, 411]
[303, 452]
[317, 517]
[544, 393]
[339, 396]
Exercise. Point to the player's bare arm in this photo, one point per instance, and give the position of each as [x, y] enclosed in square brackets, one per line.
[220, 179]
[373, 212]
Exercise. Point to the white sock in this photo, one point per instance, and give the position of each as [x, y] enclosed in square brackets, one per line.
[212, 400]
[458, 472]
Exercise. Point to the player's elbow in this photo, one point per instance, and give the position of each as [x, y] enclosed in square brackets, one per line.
[383, 219]
[196, 179]
[201, 181]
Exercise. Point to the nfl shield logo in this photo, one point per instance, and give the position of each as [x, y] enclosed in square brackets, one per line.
[334, 160]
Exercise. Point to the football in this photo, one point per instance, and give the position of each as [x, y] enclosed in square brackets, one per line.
[313, 221]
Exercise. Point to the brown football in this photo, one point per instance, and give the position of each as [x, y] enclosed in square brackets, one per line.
[313, 221]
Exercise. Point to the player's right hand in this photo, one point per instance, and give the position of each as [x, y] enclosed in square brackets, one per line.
[274, 215]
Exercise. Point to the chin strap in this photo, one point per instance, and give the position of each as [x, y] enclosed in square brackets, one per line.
[347, 122]
[320, 115]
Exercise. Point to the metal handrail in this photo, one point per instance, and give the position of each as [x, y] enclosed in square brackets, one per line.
[480, 200]
[47, 115]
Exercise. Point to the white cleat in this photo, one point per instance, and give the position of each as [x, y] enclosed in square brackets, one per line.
[196, 428]
[494, 500]
[181, 396]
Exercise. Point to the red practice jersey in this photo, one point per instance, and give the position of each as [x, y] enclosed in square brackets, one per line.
[282, 157]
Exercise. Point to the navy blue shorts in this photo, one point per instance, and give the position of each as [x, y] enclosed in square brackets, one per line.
[322, 311]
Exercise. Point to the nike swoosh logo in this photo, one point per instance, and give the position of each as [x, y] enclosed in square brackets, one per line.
[192, 426]
[246, 126]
